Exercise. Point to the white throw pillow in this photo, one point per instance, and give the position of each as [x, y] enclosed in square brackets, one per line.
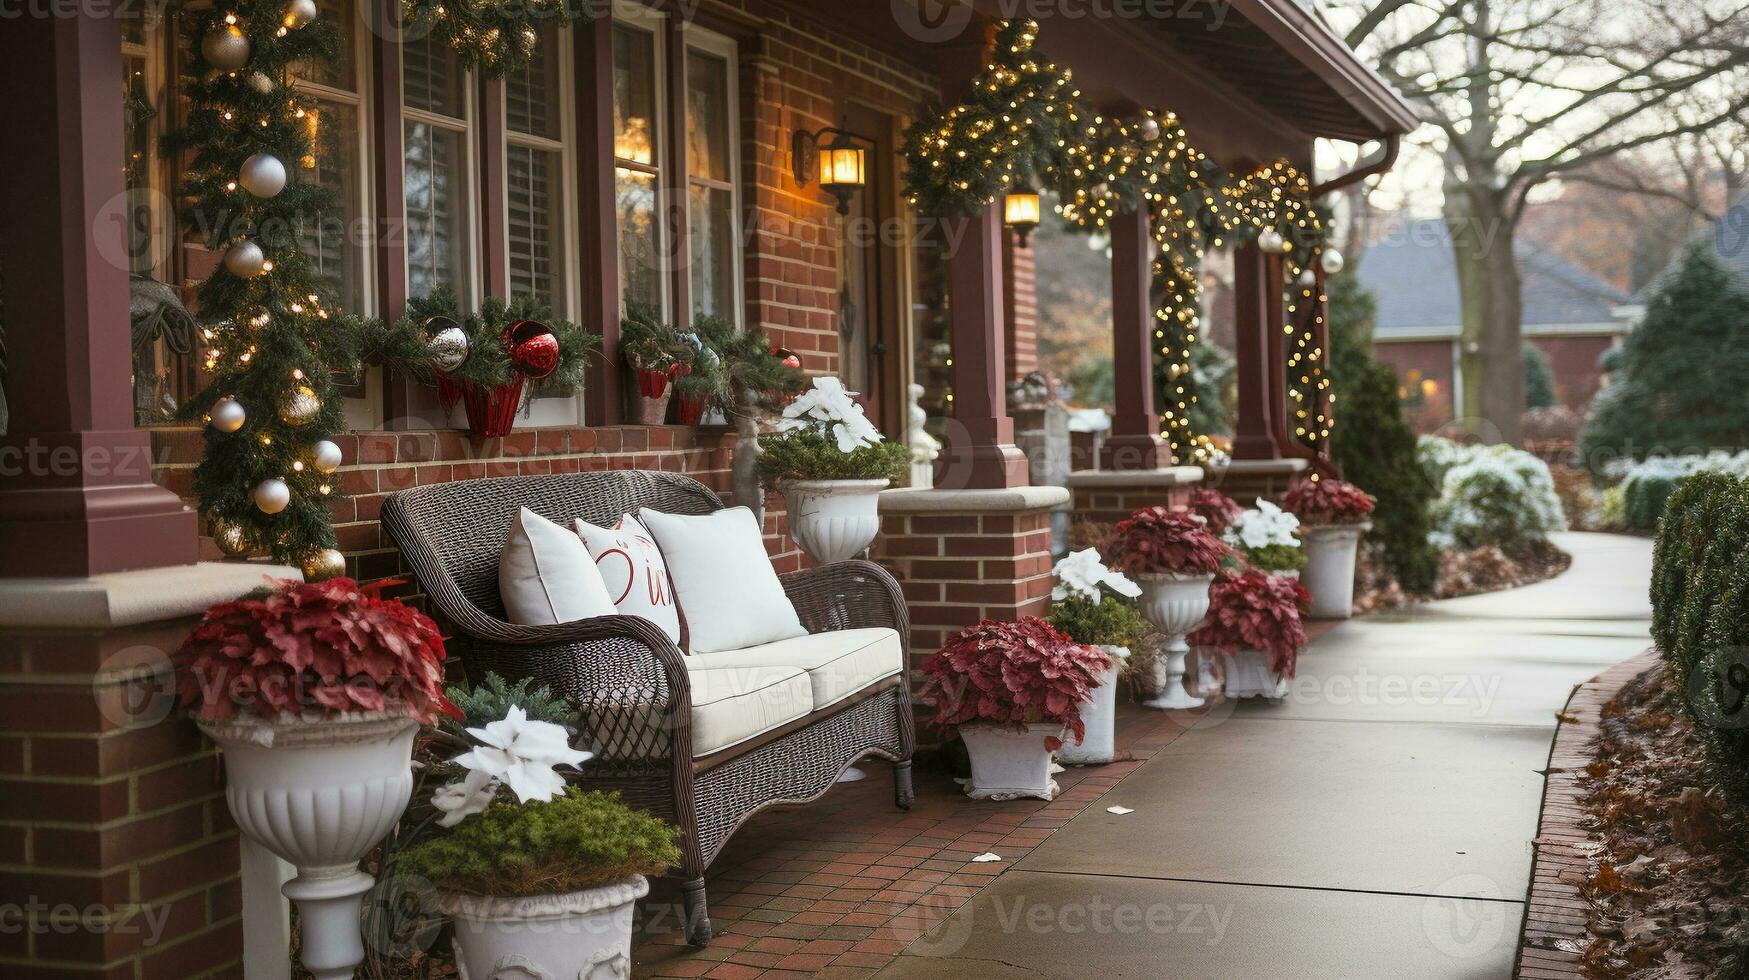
[726, 587]
[632, 568]
[545, 575]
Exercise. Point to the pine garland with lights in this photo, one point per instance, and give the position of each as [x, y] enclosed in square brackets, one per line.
[272, 332]
[493, 37]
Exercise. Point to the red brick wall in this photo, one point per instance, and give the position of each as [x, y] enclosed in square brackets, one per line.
[1573, 360]
[1108, 505]
[1021, 310]
[1422, 359]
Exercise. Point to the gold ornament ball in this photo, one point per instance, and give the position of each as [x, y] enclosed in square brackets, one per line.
[301, 405]
[230, 539]
[262, 175]
[225, 48]
[323, 565]
[299, 13]
[228, 414]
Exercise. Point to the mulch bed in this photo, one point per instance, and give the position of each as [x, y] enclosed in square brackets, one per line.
[1642, 869]
[1461, 573]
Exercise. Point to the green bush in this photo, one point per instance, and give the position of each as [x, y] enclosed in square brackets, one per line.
[1677, 386]
[1275, 557]
[800, 454]
[1373, 445]
[1490, 495]
[492, 698]
[1539, 378]
[1700, 615]
[577, 841]
[1647, 485]
[1109, 622]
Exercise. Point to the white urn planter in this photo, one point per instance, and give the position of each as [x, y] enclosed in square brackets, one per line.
[1008, 762]
[833, 520]
[1249, 676]
[584, 935]
[1329, 572]
[1175, 604]
[320, 794]
[1099, 718]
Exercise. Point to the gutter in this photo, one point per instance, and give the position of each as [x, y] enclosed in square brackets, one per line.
[1387, 159]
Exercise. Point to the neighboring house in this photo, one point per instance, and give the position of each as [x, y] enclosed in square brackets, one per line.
[1569, 313]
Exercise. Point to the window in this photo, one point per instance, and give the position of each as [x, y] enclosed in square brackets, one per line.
[712, 216]
[163, 366]
[437, 119]
[335, 243]
[537, 170]
[636, 153]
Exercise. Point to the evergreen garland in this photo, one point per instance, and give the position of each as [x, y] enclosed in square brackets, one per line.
[488, 362]
[493, 37]
[275, 339]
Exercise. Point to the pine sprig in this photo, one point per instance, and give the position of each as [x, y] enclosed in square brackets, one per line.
[488, 363]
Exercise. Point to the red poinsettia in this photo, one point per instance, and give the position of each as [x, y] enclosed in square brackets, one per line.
[1157, 540]
[1254, 610]
[1213, 506]
[1325, 501]
[1012, 674]
[322, 647]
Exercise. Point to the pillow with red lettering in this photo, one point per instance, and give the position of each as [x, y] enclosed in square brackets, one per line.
[632, 568]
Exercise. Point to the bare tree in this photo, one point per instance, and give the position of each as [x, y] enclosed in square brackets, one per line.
[1522, 91]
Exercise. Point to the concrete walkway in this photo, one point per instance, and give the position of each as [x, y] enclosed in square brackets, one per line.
[1376, 824]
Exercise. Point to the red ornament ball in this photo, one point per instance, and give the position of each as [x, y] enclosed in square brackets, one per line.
[534, 351]
[787, 358]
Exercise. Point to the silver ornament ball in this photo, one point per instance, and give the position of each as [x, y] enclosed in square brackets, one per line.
[1150, 129]
[260, 82]
[300, 405]
[1269, 240]
[244, 259]
[228, 414]
[447, 349]
[1308, 277]
[262, 175]
[272, 495]
[299, 13]
[225, 48]
[1332, 261]
[326, 456]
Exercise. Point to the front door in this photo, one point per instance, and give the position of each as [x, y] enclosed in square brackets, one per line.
[868, 311]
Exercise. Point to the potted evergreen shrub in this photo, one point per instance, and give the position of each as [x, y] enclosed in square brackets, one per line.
[831, 464]
[1254, 620]
[1012, 690]
[1265, 537]
[540, 879]
[1172, 555]
[1333, 515]
[1090, 605]
[758, 380]
[655, 353]
[314, 693]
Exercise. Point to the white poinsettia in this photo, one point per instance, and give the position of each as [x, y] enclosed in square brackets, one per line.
[1082, 574]
[828, 409]
[465, 797]
[521, 754]
[1263, 526]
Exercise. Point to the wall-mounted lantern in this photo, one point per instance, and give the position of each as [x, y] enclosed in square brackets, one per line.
[1021, 211]
[840, 166]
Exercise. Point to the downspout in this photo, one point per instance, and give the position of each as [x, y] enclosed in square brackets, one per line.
[1393, 143]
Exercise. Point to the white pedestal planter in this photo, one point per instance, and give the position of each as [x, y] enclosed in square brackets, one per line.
[1249, 676]
[1175, 604]
[1099, 718]
[1329, 573]
[320, 794]
[1009, 763]
[833, 520]
[585, 935]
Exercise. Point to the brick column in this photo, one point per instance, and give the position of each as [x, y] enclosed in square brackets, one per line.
[597, 216]
[1020, 311]
[1255, 425]
[76, 495]
[1134, 442]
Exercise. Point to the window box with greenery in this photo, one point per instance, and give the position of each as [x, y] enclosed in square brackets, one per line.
[1173, 557]
[1012, 691]
[1254, 620]
[1266, 538]
[831, 463]
[314, 692]
[656, 354]
[1090, 604]
[539, 878]
[1333, 515]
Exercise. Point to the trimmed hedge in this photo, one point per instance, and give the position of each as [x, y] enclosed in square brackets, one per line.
[1700, 615]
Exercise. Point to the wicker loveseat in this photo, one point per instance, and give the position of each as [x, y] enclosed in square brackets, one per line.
[641, 703]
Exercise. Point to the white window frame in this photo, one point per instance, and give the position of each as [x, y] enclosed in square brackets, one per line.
[468, 292]
[721, 46]
[151, 52]
[566, 149]
[636, 17]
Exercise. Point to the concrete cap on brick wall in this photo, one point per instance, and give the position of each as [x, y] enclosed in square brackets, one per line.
[1166, 476]
[1012, 500]
[130, 598]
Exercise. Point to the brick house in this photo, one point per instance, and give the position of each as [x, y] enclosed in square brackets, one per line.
[655, 131]
[1570, 314]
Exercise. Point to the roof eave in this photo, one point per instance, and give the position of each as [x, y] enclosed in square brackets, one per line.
[1314, 45]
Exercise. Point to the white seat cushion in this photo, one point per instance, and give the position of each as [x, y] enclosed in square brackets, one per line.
[838, 664]
[733, 704]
